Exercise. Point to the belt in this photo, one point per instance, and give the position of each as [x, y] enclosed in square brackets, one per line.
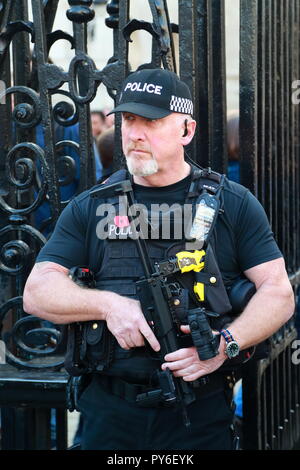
[129, 391]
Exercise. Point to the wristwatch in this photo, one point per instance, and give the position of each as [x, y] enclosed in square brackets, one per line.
[232, 348]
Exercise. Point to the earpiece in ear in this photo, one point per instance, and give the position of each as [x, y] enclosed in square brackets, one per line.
[185, 129]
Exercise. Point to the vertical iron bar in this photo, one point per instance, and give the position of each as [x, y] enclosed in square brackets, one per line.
[218, 50]
[61, 429]
[289, 385]
[21, 51]
[263, 412]
[159, 9]
[251, 405]
[276, 404]
[187, 65]
[41, 54]
[87, 163]
[297, 151]
[274, 119]
[281, 115]
[42, 417]
[292, 137]
[266, 181]
[297, 147]
[271, 399]
[279, 401]
[8, 426]
[122, 18]
[248, 93]
[204, 72]
[5, 108]
[50, 14]
[261, 101]
[285, 413]
[288, 126]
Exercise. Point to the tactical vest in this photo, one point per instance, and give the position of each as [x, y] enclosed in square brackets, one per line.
[121, 267]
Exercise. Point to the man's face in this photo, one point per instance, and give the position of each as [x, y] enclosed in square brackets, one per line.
[98, 124]
[150, 146]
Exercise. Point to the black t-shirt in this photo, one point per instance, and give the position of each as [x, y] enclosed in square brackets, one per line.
[242, 237]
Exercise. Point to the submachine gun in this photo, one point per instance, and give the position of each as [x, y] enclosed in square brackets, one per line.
[157, 295]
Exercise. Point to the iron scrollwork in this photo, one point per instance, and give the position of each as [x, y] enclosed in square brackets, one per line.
[40, 160]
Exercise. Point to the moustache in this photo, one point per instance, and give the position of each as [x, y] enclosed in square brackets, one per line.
[135, 148]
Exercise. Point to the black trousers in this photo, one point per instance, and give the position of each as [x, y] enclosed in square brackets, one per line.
[111, 423]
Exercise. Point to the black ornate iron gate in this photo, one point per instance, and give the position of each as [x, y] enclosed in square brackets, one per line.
[37, 163]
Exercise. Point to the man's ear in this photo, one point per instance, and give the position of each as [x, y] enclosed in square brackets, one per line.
[188, 131]
[185, 129]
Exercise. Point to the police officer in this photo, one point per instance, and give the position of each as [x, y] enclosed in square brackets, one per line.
[157, 124]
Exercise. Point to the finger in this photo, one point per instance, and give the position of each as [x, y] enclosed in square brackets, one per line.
[178, 355]
[137, 340]
[185, 329]
[191, 377]
[186, 372]
[123, 343]
[126, 340]
[150, 336]
[177, 364]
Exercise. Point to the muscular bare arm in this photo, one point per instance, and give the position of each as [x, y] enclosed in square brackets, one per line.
[271, 307]
[50, 294]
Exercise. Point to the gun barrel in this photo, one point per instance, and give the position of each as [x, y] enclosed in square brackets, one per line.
[156, 309]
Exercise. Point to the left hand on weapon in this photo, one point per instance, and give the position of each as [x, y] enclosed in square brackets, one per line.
[185, 362]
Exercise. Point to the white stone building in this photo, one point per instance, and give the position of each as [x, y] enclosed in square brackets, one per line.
[100, 46]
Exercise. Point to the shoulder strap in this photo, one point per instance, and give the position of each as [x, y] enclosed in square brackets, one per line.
[119, 175]
[205, 191]
[205, 179]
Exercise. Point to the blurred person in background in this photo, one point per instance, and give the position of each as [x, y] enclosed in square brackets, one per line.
[106, 145]
[98, 126]
[109, 120]
[98, 122]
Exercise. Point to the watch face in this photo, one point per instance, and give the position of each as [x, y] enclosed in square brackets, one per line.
[232, 349]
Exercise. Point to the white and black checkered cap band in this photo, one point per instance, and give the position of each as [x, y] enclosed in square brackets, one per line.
[181, 105]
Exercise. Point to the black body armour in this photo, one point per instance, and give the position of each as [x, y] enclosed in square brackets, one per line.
[121, 268]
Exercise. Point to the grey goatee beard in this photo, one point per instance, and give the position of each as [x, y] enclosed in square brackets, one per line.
[146, 168]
